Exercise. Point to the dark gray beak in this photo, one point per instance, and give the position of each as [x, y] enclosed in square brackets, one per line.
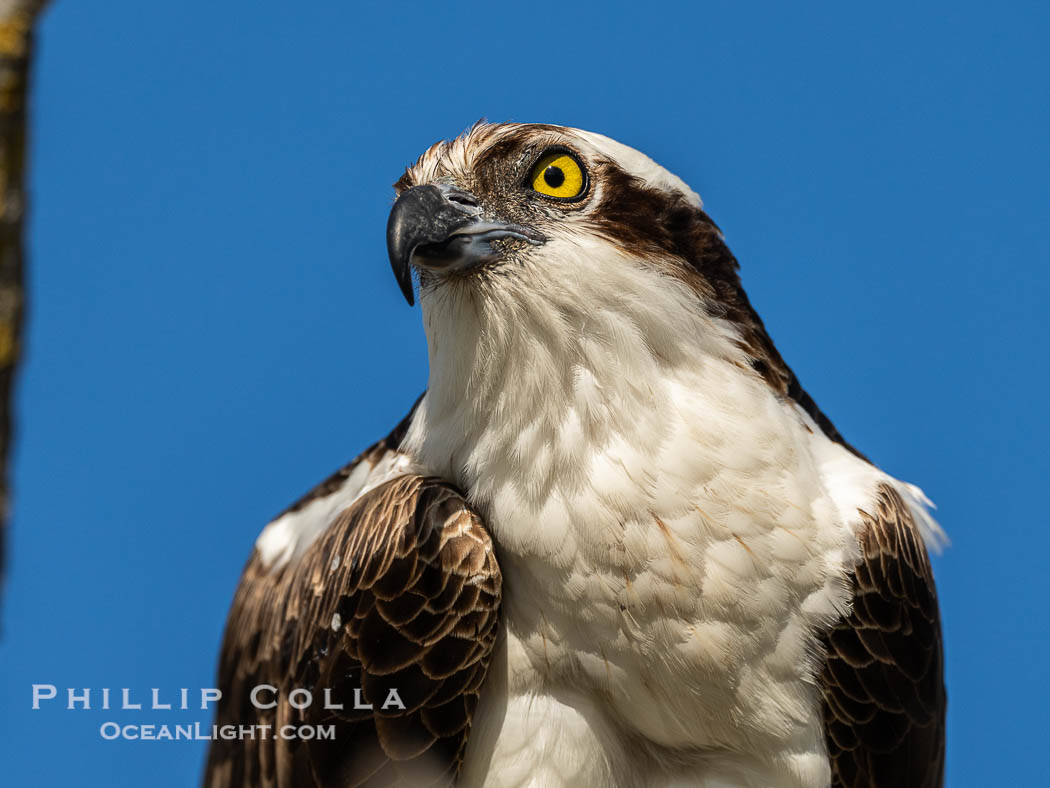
[439, 228]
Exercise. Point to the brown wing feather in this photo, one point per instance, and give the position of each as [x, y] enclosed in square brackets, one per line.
[402, 591]
[884, 698]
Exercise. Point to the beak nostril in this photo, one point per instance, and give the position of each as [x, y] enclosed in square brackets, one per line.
[462, 198]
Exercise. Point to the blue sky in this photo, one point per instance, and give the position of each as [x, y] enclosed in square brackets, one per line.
[213, 325]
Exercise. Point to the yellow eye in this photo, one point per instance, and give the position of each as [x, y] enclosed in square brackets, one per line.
[558, 174]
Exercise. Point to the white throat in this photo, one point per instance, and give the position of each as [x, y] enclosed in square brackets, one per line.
[533, 373]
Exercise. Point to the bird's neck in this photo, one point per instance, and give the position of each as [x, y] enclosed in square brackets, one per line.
[527, 391]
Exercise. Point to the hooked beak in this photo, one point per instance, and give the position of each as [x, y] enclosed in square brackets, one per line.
[439, 228]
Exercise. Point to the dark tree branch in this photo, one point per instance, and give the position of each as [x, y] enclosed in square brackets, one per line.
[16, 51]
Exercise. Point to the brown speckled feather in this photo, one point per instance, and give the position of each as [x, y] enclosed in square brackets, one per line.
[884, 698]
[402, 591]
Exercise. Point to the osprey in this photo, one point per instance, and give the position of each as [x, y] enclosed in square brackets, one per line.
[615, 543]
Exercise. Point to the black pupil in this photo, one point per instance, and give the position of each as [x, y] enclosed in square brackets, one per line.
[553, 176]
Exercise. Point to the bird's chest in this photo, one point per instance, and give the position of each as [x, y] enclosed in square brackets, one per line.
[670, 554]
[671, 598]
[681, 618]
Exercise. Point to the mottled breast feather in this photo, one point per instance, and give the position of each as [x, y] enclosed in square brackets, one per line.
[401, 591]
[884, 697]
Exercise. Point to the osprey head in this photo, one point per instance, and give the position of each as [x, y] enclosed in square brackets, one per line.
[494, 197]
[539, 243]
